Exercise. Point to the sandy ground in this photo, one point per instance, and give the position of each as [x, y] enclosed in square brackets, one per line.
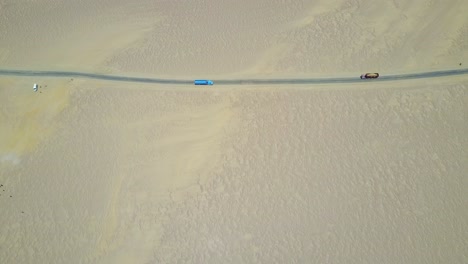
[225, 37]
[102, 172]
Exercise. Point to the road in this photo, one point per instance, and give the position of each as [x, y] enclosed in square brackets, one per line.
[119, 78]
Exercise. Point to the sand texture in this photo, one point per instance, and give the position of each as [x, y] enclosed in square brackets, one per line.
[113, 172]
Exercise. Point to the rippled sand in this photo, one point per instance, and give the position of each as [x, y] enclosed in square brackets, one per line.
[104, 172]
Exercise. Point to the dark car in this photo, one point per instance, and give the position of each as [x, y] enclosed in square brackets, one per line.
[370, 76]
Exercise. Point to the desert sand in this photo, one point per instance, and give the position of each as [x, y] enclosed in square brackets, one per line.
[112, 172]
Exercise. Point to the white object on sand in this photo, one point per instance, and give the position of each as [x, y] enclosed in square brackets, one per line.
[35, 87]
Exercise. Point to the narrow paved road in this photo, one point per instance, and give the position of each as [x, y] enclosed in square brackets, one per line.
[421, 75]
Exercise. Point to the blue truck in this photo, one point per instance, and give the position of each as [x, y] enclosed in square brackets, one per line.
[203, 82]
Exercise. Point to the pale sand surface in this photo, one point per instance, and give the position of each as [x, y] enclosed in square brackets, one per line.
[225, 37]
[102, 172]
